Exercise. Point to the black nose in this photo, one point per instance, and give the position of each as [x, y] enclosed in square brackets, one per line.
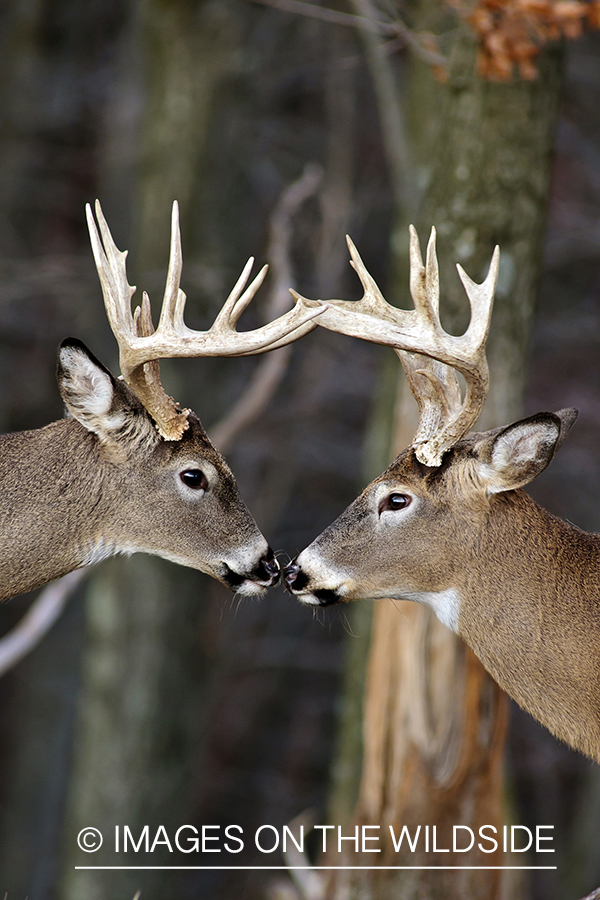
[295, 578]
[268, 568]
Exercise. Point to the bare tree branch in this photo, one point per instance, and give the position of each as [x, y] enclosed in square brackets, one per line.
[38, 620]
[261, 387]
[390, 115]
[367, 23]
[299, 7]
[271, 369]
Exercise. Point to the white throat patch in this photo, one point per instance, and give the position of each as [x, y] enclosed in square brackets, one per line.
[445, 604]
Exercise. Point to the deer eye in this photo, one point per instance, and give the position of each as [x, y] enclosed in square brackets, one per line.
[395, 502]
[194, 478]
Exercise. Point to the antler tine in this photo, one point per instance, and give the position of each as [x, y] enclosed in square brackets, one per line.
[481, 299]
[371, 318]
[142, 375]
[248, 295]
[173, 302]
[433, 384]
[373, 300]
[429, 355]
[239, 299]
[416, 267]
[140, 347]
[142, 318]
[425, 283]
[432, 276]
[110, 264]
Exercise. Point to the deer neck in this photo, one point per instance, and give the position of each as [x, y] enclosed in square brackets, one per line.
[53, 506]
[530, 610]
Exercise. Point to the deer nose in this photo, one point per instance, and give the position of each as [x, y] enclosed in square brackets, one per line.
[268, 568]
[295, 579]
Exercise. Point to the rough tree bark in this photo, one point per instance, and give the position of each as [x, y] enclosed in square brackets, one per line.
[434, 722]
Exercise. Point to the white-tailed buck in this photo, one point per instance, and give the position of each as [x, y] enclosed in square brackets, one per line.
[448, 525]
[129, 470]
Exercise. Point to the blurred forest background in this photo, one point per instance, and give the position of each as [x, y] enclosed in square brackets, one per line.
[158, 698]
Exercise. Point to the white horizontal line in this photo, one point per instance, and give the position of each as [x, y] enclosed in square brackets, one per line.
[311, 868]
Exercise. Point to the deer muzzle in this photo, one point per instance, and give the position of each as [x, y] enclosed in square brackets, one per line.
[263, 575]
[298, 582]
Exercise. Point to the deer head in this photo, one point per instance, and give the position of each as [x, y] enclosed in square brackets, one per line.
[409, 530]
[129, 470]
[447, 524]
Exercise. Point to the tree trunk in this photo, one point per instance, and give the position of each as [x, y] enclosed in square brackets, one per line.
[434, 722]
[186, 48]
[144, 665]
[142, 674]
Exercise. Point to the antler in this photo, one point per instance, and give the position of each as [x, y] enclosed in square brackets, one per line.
[140, 346]
[428, 354]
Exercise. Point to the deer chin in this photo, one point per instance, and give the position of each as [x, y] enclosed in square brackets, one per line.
[241, 583]
[314, 583]
[319, 597]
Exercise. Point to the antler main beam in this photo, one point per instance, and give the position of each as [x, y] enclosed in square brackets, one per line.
[428, 353]
[140, 346]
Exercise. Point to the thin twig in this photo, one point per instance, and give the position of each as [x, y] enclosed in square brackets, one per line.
[270, 371]
[390, 110]
[391, 117]
[38, 620]
[299, 7]
[396, 29]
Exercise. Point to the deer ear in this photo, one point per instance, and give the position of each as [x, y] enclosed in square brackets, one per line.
[515, 455]
[91, 394]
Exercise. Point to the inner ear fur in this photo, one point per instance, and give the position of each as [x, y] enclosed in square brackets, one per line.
[99, 402]
[511, 457]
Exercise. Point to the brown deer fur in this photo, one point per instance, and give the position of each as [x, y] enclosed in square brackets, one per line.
[104, 482]
[521, 586]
